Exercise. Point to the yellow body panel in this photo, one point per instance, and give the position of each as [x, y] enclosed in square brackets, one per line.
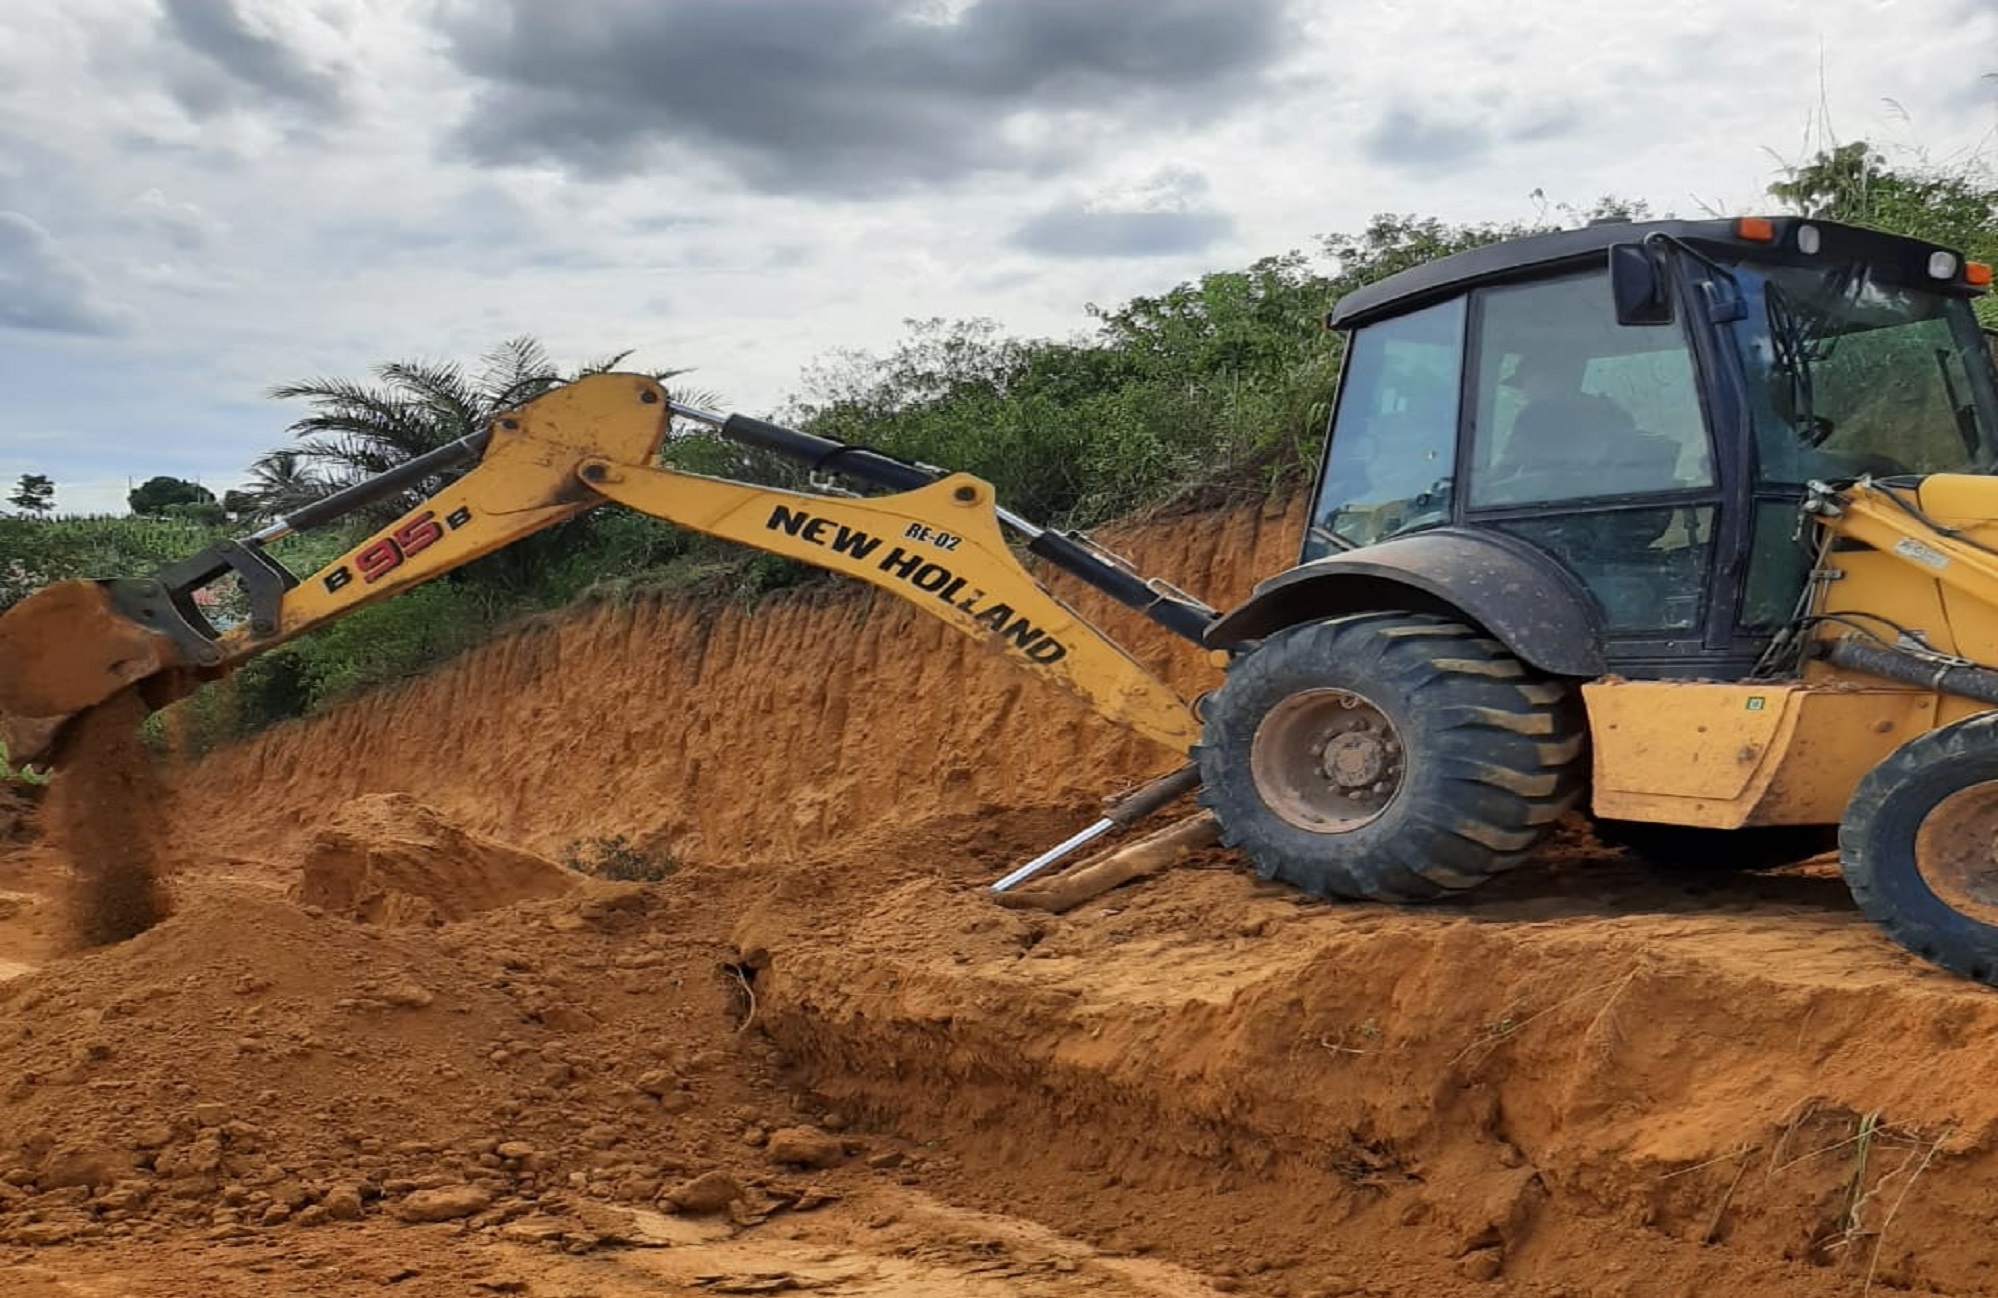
[1724, 756]
[1915, 576]
[939, 547]
[1937, 584]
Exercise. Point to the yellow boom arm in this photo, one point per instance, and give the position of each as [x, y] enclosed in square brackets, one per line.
[939, 546]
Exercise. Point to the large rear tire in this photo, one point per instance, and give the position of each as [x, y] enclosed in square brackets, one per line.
[1919, 846]
[1388, 756]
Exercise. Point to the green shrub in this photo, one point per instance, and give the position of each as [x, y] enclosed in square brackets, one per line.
[616, 858]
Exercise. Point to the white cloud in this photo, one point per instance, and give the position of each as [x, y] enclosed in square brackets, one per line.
[184, 224]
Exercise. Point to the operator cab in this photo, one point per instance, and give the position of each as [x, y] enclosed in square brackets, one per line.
[1642, 404]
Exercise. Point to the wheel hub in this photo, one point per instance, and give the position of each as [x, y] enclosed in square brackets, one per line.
[1327, 760]
[1956, 851]
[1355, 759]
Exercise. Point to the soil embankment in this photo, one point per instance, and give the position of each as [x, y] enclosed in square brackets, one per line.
[730, 733]
[384, 1033]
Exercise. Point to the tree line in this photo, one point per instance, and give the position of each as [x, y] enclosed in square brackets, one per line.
[1219, 386]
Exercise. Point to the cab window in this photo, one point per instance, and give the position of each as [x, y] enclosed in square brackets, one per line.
[1848, 375]
[1394, 438]
[1572, 405]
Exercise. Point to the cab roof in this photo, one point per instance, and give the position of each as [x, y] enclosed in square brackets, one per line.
[1897, 256]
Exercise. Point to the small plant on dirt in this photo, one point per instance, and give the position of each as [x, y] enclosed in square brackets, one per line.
[10, 774]
[618, 859]
[1369, 1033]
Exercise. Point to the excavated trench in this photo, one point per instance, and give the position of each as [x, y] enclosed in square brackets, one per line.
[1589, 1079]
[1597, 1082]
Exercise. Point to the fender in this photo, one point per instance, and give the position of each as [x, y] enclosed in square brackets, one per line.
[1521, 597]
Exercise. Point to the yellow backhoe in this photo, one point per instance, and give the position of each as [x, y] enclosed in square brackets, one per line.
[1690, 525]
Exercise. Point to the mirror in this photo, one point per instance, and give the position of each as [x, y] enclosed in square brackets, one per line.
[1637, 284]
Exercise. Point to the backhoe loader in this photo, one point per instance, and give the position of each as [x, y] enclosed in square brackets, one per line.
[1688, 525]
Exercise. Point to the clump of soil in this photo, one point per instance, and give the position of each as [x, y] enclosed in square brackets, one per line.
[101, 810]
[18, 799]
[388, 859]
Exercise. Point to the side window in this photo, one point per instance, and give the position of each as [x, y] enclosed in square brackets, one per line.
[1647, 568]
[1572, 405]
[1779, 564]
[1394, 437]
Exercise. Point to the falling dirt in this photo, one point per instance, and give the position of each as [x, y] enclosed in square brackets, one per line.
[385, 1045]
[103, 811]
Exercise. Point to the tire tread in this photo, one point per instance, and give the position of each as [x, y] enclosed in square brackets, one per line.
[1504, 767]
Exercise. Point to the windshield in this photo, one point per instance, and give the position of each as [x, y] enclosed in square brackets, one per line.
[1394, 438]
[1848, 375]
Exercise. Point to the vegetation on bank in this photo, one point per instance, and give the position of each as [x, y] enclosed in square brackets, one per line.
[1219, 386]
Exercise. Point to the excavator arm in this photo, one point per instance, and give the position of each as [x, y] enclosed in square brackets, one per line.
[938, 541]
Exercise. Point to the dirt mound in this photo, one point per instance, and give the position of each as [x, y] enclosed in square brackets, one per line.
[251, 1064]
[388, 859]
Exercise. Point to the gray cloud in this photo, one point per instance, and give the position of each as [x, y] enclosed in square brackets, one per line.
[218, 31]
[846, 96]
[42, 287]
[1411, 139]
[1429, 137]
[1080, 232]
[1165, 213]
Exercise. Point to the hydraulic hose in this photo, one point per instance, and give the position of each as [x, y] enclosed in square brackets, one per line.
[1176, 613]
[1963, 679]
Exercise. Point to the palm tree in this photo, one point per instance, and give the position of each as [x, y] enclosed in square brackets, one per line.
[280, 482]
[360, 429]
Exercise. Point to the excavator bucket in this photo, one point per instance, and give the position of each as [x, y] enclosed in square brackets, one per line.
[65, 649]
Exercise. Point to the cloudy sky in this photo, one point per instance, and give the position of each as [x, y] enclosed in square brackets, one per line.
[202, 198]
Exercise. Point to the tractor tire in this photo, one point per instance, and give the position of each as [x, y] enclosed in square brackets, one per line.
[1919, 846]
[1388, 757]
[1695, 850]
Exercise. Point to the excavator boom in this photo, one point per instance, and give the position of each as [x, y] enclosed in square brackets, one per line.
[938, 541]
